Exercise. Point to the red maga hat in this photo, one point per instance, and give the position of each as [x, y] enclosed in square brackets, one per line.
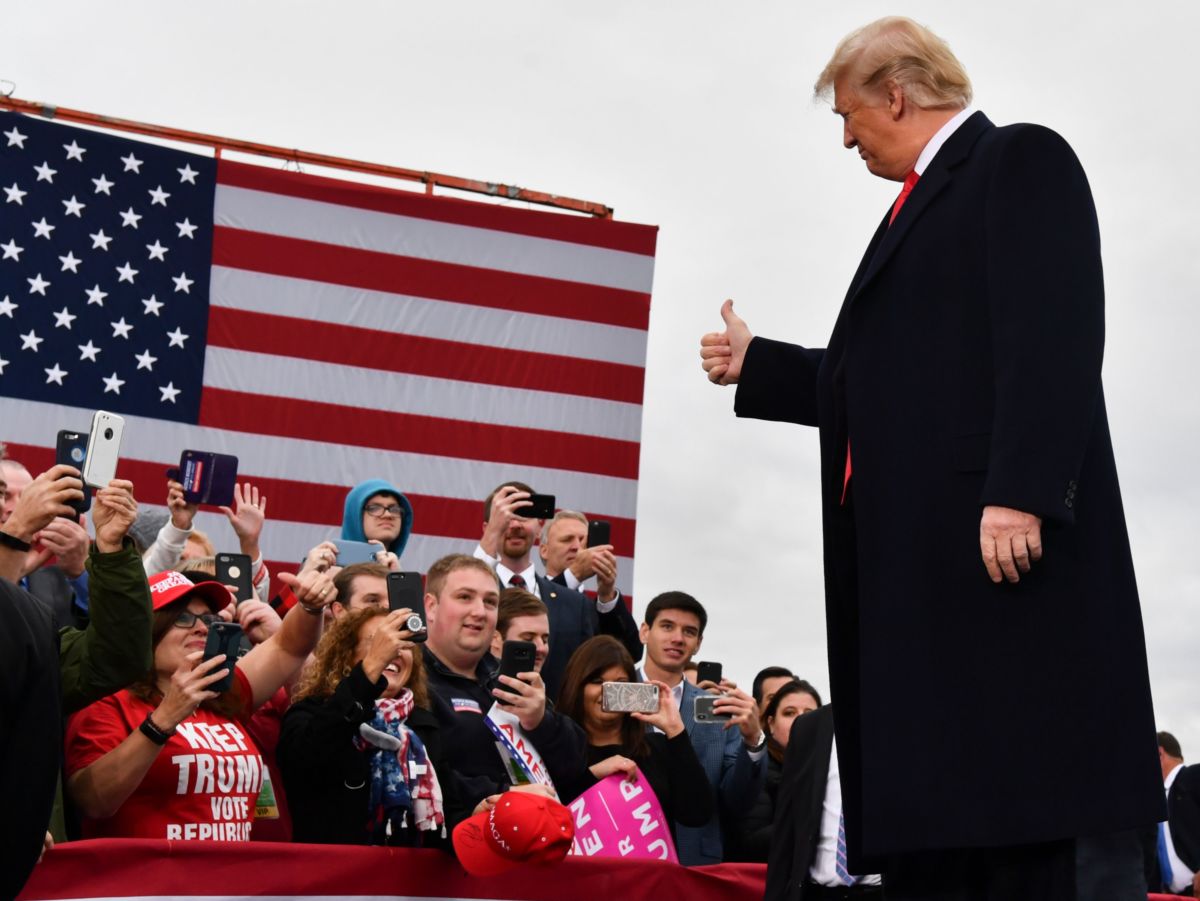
[521, 828]
[167, 587]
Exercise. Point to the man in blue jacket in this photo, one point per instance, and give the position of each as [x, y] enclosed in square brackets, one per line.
[733, 753]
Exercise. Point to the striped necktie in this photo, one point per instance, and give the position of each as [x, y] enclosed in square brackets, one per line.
[843, 874]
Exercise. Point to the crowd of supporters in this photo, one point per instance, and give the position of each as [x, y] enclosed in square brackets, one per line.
[334, 719]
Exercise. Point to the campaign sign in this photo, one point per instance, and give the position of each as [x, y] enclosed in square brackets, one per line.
[521, 758]
[619, 818]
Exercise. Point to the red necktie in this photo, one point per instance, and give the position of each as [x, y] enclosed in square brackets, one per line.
[910, 182]
[517, 581]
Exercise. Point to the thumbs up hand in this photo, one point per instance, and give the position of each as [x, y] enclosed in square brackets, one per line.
[722, 353]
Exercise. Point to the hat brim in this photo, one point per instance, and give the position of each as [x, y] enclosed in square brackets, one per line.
[473, 850]
[212, 593]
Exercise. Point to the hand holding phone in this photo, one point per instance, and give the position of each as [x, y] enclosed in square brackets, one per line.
[350, 552]
[599, 532]
[70, 449]
[629, 697]
[207, 477]
[515, 657]
[707, 671]
[539, 506]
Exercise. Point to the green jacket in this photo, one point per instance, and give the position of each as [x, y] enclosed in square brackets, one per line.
[114, 650]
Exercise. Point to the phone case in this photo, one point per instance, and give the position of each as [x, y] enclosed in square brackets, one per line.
[599, 532]
[704, 711]
[223, 638]
[708, 672]
[349, 552]
[71, 449]
[207, 477]
[103, 449]
[235, 570]
[405, 590]
[629, 697]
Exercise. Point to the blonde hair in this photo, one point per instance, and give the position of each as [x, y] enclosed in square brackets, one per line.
[559, 517]
[896, 49]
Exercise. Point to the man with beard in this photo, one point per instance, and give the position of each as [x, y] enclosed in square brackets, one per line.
[507, 545]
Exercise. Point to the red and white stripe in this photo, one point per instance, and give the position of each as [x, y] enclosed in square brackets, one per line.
[359, 332]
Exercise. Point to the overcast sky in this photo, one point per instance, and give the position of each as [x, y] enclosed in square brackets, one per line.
[697, 117]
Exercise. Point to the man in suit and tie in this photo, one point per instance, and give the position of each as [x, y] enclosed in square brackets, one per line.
[570, 562]
[1178, 847]
[507, 545]
[807, 859]
[973, 524]
[734, 753]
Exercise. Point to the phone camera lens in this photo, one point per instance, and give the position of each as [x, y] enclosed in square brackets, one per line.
[108, 434]
[414, 623]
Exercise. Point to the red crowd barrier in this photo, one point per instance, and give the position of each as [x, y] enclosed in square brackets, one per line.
[145, 869]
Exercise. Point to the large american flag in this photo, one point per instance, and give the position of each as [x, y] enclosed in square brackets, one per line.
[323, 331]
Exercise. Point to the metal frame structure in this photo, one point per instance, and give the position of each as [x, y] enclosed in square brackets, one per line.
[429, 179]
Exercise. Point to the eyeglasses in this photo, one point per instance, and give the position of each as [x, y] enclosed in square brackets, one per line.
[380, 509]
[187, 619]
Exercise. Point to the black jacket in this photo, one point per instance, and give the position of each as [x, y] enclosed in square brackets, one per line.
[964, 371]
[460, 704]
[327, 778]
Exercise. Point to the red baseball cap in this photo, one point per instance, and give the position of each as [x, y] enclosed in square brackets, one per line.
[169, 586]
[521, 828]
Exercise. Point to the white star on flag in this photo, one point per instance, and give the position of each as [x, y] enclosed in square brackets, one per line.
[15, 194]
[185, 227]
[15, 137]
[74, 151]
[145, 361]
[157, 251]
[100, 241]
[159, 196]
[38, 285]
[3, 363]
[7, 307]
[121, 328]
[132, 163]
[96, 296]
[88, 351]
[153, 305]
[55, 375]
[169, 392]
[64, 318]
[188, 174]
[31, 341]
[70, 261]
[45, 173]
[126, 273]
[11, 250]
[42, 228]
[113, 384]
[177, 337]
[103, 184]
[130, 218]
[183, 283]
[74, 207]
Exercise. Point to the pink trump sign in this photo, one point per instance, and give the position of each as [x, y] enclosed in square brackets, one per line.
[618, 818]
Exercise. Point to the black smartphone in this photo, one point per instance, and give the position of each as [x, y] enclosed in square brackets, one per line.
[516, 657]
[708, 672]
[207, 478]
[703, 711]
[234, 570]
[539, 506]
[223, 638]
[406, 590]
[71, 449]
[599, 532]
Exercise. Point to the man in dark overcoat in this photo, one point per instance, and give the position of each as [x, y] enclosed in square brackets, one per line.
[976, 554]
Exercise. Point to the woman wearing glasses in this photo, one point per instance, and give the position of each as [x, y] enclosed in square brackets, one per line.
[169, 757]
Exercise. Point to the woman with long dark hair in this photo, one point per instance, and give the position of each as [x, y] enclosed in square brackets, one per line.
[618, 740]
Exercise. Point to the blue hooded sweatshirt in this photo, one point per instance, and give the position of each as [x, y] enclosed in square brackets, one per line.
[352, 529]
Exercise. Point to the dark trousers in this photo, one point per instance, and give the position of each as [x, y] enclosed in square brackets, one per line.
[1040, 872]
[1112, 866]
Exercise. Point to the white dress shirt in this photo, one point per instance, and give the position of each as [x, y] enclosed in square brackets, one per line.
[529, 574]
[936, 142]
[824, 866]
[1181, 876]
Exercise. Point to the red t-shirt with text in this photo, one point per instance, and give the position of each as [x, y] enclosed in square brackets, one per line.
[202, 785]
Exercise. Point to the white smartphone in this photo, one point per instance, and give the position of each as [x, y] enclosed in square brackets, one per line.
[103, 449]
